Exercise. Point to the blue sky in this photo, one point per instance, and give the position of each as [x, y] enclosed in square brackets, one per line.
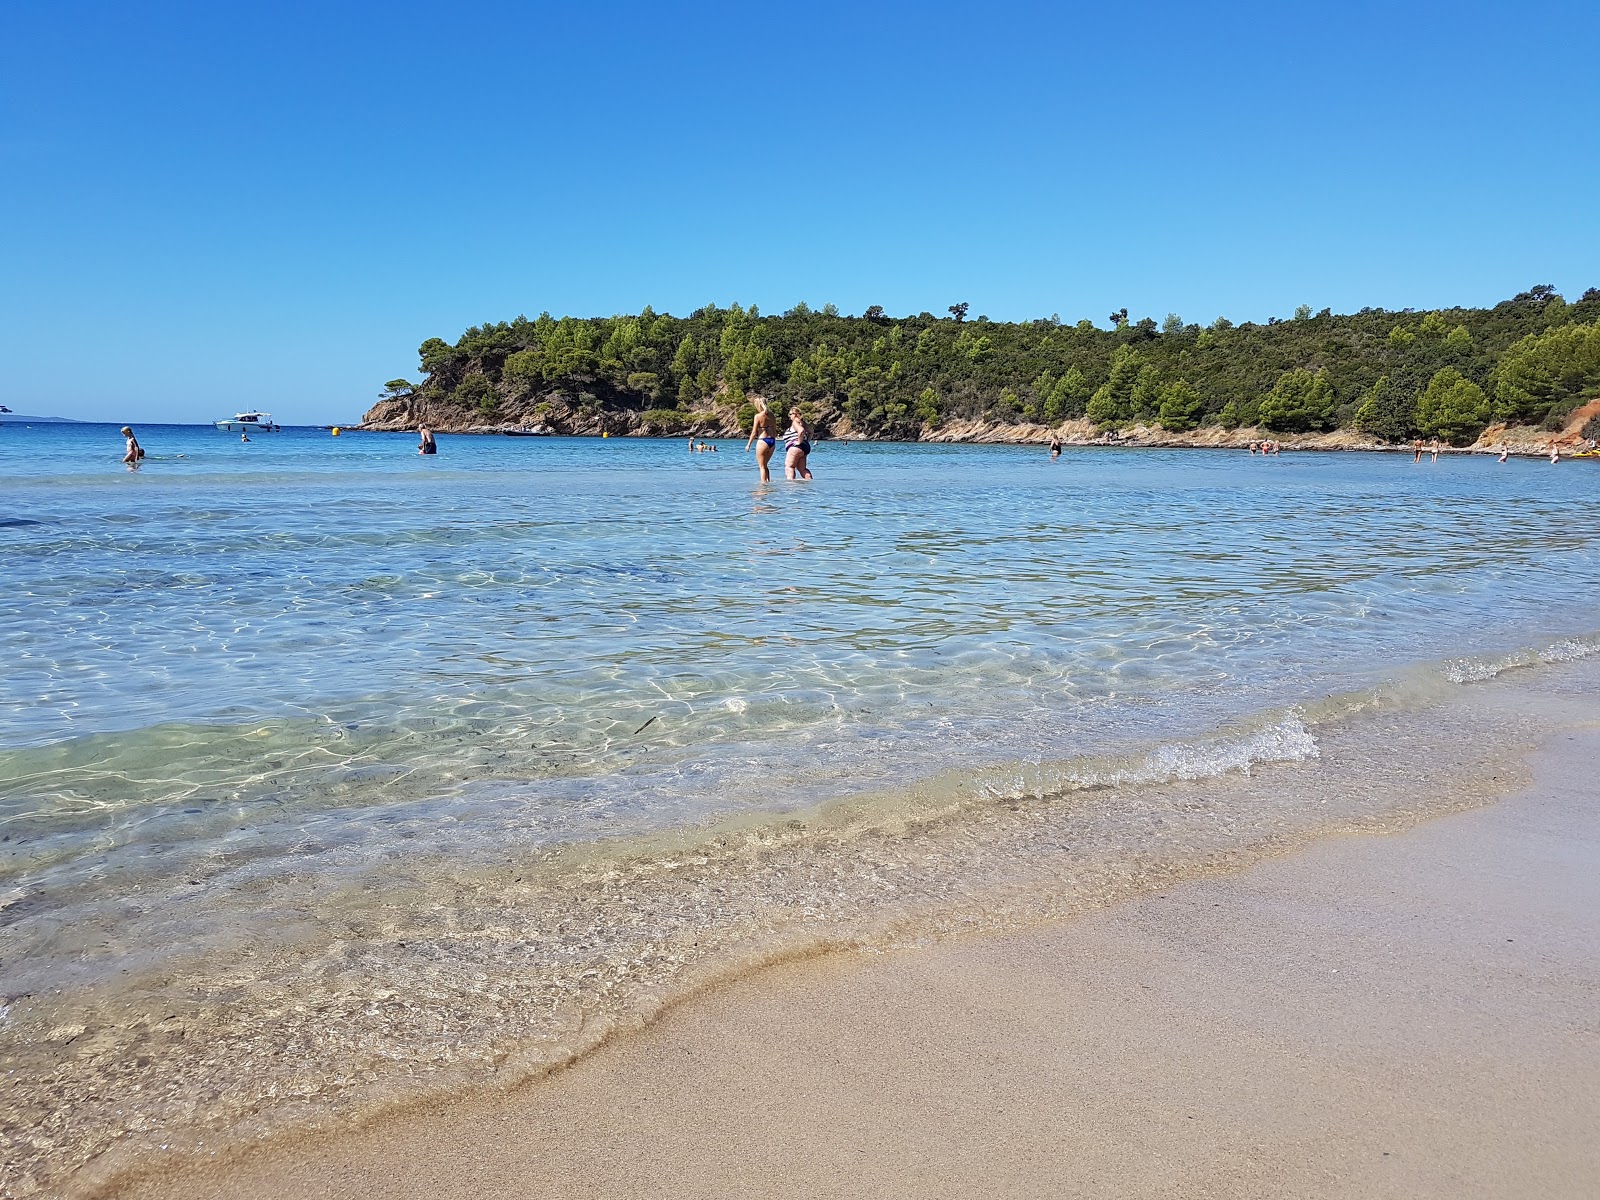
[212, 206]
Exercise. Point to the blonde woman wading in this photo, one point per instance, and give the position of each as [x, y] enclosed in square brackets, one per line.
[763, 429]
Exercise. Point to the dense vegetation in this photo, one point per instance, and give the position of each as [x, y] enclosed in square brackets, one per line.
[1528, 360]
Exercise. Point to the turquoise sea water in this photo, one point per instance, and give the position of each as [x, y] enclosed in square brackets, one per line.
[307, 645]
[312, 663]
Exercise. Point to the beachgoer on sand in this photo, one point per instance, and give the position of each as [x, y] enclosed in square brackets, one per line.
[135, 451]
[796, 447]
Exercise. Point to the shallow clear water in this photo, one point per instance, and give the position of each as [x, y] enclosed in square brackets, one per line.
[328, 771]
[298, 653]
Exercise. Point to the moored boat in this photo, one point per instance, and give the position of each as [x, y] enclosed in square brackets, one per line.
[249, 422]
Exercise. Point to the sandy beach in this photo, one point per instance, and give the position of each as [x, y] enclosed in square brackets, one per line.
[1407, 1015]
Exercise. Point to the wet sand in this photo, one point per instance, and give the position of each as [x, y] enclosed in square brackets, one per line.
[1412, 1015]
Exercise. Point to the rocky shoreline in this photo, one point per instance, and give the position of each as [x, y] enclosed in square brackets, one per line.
[553, 415]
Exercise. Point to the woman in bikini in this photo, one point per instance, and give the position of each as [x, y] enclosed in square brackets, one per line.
[135, 451]
[762, 429]
[796, 446]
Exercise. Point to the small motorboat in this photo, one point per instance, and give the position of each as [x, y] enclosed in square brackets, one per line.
[248, 422]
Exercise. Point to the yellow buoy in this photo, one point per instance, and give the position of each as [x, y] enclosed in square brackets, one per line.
[335, 431]
[606, 434]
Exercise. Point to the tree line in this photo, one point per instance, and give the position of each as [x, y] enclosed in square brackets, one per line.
[1529, 360]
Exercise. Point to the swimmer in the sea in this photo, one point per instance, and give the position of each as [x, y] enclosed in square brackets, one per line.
[425, 442]
[1055, 447]
[762, 430]
[135, 451]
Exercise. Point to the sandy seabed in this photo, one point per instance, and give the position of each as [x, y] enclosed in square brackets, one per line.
[1410, 1015]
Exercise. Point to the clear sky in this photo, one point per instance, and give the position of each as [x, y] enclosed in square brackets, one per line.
[211, 206]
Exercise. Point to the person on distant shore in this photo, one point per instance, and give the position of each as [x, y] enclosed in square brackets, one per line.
[135, 451]
[425, 442]
[796, 447]
[764, 430]
[1416, 450]
[1055, 447]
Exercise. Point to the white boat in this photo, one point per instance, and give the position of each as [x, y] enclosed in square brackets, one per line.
[249, 422]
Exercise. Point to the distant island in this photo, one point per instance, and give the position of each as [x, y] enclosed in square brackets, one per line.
[7, 417]
[1526, 371]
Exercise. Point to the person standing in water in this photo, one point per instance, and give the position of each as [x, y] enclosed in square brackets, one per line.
[796, 447]
[426, 444]
[762, 429]
[1416, 450]
[1504, 450]
[1055, 447]
[135, 451]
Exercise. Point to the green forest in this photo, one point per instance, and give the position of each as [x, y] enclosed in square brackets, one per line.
[1449, 373]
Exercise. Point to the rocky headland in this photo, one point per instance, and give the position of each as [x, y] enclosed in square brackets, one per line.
[722, 419]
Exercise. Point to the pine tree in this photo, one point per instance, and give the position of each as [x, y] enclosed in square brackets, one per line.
[1452, 407]
[1180, 407]
[1299, 401]
[1385, 413]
